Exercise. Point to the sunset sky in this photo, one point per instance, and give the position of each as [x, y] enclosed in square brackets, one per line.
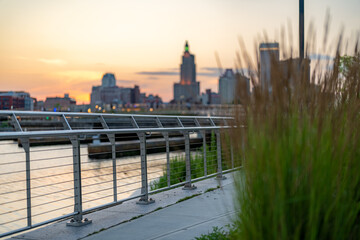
[52, 47]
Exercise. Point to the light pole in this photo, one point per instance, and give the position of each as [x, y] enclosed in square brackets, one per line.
[301, 29]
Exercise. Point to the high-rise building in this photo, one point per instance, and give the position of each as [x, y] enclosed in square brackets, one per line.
[108, 93]
[242, 93]
[108, 80]
[292, 69]
[233, 86]
[188, 89]
[269, 55]
[135, 94]
[227, 87]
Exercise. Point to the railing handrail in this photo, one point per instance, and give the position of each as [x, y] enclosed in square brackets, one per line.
[82, 114]
[6, 135]
[75, 135]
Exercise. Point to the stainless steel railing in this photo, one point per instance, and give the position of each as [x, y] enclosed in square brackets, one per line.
[48, 183]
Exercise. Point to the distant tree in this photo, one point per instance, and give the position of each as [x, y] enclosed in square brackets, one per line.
[350, 65]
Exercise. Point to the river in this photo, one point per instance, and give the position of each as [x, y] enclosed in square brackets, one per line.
[52, 191]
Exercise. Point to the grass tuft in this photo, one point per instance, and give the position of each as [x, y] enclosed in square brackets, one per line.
[301, 154]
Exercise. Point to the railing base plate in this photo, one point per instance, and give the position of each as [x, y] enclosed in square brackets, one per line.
[145, 201]
[222, 177]
[73, 223]
[189, 187]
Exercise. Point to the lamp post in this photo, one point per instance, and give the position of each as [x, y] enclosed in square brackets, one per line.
[301, 29]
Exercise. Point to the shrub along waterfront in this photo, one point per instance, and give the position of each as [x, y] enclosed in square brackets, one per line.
[302, 153]
[178, 166]
[302, 157]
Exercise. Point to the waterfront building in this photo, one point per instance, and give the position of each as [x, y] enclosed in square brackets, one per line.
[59, 104]
[188, 89]
[209, 98]
[227, 87]
[16, 100]
[108, 94]
[242, 88]
[233, 86]
[108, 80]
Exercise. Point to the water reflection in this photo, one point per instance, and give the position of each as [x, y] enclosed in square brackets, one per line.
[52, 192]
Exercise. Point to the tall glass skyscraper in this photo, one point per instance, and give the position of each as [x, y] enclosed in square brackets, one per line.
[188, 89]
[269, 55]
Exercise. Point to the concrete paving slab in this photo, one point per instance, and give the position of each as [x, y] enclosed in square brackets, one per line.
[107, 218]
[184, 220]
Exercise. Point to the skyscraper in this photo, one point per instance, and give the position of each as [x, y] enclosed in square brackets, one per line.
[292, 69]
[227, 87]
[233, 87]
[269, 55]
[188, 89]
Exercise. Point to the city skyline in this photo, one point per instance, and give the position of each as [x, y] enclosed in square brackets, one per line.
[53, 47]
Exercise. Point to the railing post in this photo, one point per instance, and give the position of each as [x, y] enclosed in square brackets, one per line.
[113, 155]
[111, 138]
[77, 220]
[219, 161]
[25, 144]
[144, 200]
[188, 185]
[204, 149]
[166, 135]
[232, 156]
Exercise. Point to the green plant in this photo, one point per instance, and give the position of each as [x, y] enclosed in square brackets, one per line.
[302, 156]
[188, 197]
[216, 234]
[178, 166]
[211, 189]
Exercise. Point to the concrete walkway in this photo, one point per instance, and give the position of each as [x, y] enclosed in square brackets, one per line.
[165, 219]
[184, 220]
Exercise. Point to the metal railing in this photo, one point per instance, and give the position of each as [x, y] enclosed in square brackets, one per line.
[54, 182]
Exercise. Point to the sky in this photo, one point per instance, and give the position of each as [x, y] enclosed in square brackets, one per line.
[52, 47]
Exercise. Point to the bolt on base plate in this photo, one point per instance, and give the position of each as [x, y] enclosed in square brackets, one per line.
[222, 177]
[145, 201]
[73, 223]
[189, 187]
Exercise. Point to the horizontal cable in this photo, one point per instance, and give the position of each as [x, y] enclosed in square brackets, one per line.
[53, 210]
[15, 220]
[128, 184]
[91, 200]
[16, 210]
[50, 167]
[101, 190]
[52, 184]
[46, 194]
[128, 177]
[98, 183]
[57, 200]
[156, 172]
[129, 190]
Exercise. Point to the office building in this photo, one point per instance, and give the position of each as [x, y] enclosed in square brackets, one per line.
[292, 69]
[227, 87]
[17, 100]
[108, 80]
[59, 104]
[108, 93]
[269, 57]
[188, 89]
